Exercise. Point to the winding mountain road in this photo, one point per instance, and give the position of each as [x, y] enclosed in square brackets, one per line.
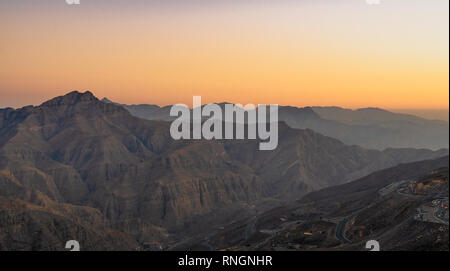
[340, 229]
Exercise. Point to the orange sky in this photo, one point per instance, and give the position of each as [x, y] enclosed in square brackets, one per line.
[344, 52]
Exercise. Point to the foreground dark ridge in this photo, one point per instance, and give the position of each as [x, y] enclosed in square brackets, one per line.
[403, 208]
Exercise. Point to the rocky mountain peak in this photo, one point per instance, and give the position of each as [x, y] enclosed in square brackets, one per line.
[71, 98]
[106, 100]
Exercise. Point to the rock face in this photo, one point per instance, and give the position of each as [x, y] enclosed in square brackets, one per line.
[48, 226]
[76, 167]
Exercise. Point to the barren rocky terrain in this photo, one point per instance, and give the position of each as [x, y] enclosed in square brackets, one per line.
[79, 168]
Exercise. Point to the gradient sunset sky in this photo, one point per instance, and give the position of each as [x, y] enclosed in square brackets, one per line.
[291, 52]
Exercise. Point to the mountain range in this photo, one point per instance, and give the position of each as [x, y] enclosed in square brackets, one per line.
[371, 128]
[79, 168]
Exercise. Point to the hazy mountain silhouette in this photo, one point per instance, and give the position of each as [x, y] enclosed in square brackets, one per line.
[368, 116]
[368, 127]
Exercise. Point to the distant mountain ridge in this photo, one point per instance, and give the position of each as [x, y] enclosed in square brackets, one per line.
[372, 128]
[369, 115]
[146, 111]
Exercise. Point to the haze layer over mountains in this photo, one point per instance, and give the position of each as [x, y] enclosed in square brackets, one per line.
[372, 128]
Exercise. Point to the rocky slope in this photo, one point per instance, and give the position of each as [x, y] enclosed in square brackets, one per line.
[399, 207]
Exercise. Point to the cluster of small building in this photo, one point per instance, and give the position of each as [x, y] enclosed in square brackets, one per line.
[440, 203]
